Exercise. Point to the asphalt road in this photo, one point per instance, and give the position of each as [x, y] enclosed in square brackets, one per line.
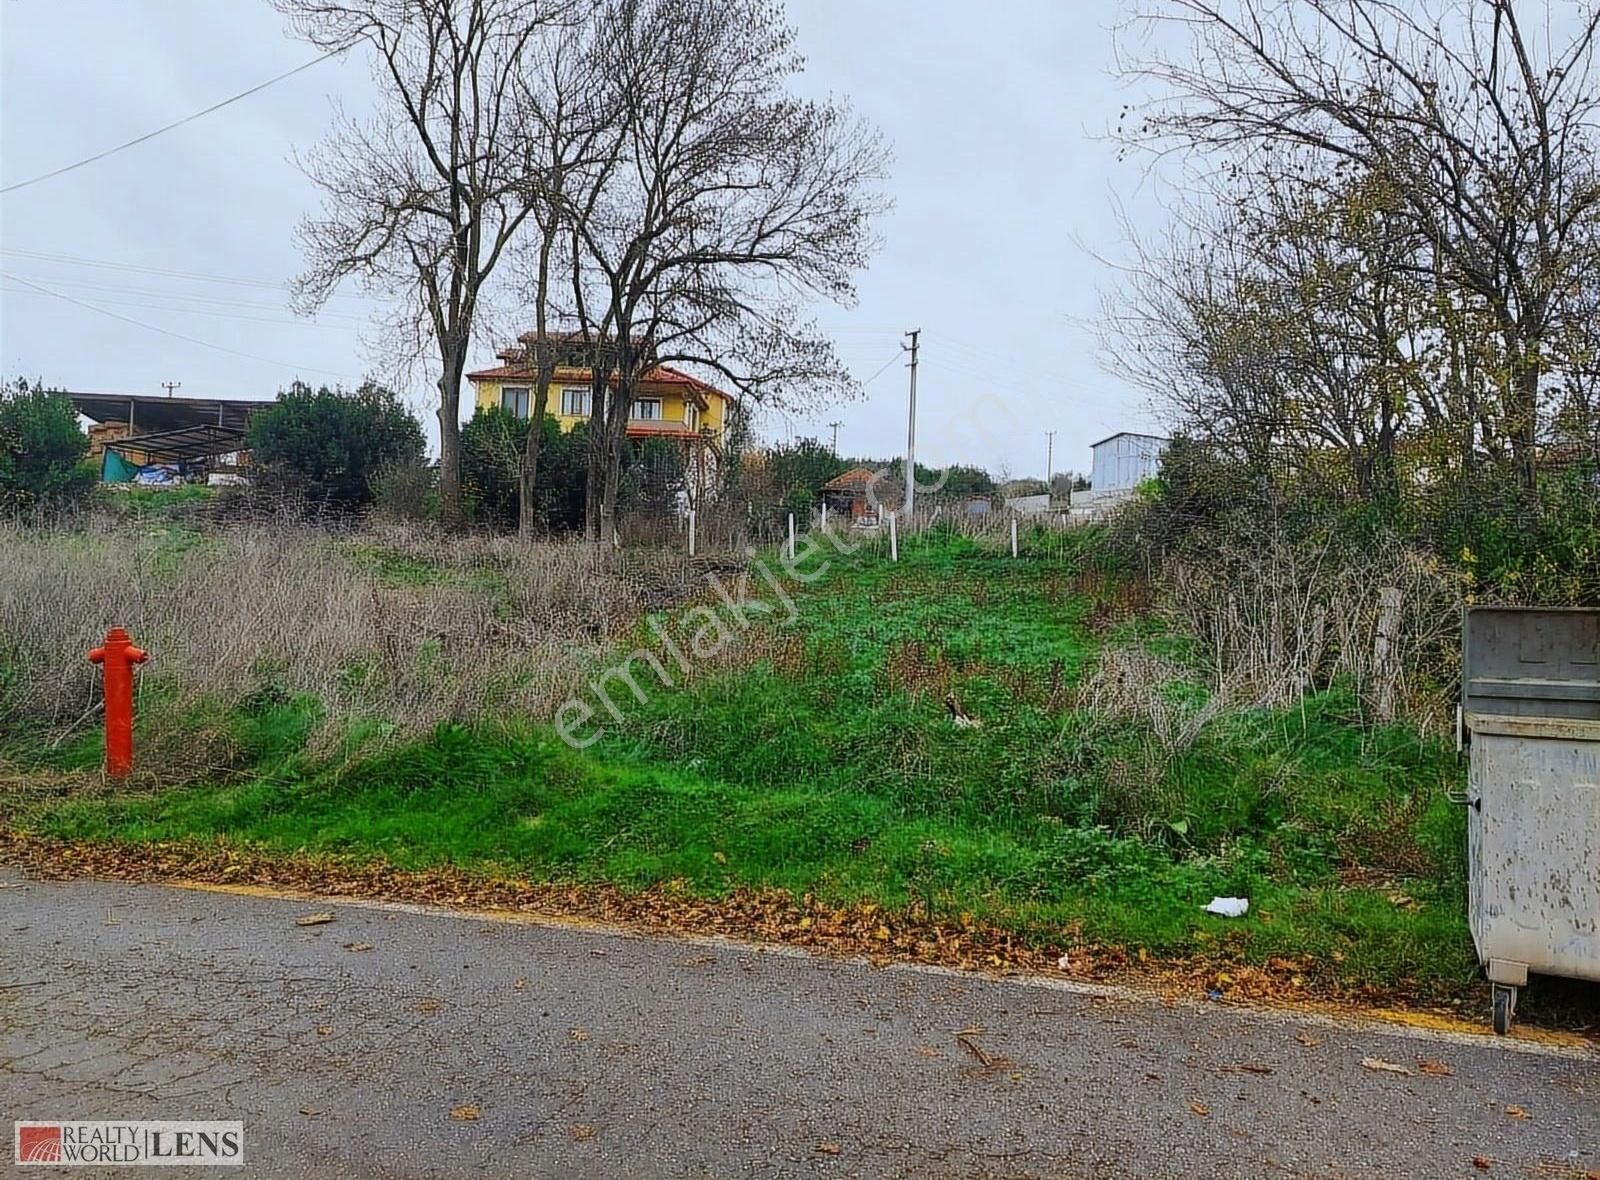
[596, 1053]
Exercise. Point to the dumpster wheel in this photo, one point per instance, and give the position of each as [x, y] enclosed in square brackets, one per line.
[1505, 1007]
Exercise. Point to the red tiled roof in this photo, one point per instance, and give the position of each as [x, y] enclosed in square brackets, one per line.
[857, 479]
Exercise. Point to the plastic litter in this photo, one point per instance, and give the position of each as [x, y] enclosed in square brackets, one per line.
[1229, 907]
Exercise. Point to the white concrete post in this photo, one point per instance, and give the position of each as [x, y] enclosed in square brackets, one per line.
[894, 539]
[791, 536]
[1013, 536]
[824, 516]
[691, 532]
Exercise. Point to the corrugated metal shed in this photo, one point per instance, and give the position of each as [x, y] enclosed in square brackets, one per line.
[1125, 460]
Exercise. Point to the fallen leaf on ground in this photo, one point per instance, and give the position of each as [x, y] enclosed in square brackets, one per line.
[927, 1051]
[324, 1030]
[1379, 1065]
[1306, 1039]
[466, 1113]
[1434, 1068]
[1200, 1108]
[428, 1005]
[828, 1149]
[579, 1034]
[1482, 1162]
[1518, 1112]
[321, 919]
[358, 946]
[582, 1132]
[520, 985]
[310, 1111]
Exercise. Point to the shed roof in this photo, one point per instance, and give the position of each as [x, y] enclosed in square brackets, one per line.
[153, 413]
[181, 445]
[1128, 434]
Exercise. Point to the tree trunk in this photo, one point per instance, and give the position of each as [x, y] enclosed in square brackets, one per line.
[450, 506]
[616, 437]
[527, 498]
[1386, 476]
[599, 401]
[1525, 422]
[544, 359]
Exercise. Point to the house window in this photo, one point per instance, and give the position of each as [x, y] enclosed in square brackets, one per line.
[514, 402]
[648, 409]
[691, 416]
[575, 401]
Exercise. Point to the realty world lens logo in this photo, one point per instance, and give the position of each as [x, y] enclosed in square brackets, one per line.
[160, 1143]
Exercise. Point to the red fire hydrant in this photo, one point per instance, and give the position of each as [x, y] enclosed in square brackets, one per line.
[118, 657]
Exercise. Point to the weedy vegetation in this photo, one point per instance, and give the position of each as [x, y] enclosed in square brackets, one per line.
[1023, 742]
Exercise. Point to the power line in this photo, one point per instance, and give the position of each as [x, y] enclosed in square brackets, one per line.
[107, 264]
[249, 356]
[141, 305]
[178, 301]
[149, 135]
[881, 371]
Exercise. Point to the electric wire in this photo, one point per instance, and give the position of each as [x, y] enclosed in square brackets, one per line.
[149, 135]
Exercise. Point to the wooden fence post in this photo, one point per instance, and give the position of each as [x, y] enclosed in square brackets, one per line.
[1385, 657]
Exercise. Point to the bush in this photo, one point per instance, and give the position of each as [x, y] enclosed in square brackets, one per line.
[406, 491]
[654, 476]
[491, 458]
[42, 451]
[330, 446]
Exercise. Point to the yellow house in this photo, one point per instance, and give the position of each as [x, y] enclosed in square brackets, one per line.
[669, 403]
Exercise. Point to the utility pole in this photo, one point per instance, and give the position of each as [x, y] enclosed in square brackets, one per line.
[911, 428]
[835, 426]
[169, 386]
[1049, 457]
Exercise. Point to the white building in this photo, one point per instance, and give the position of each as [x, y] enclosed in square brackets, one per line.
[1121, 463]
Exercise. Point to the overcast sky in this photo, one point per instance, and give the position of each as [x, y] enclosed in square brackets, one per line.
[1004, 195]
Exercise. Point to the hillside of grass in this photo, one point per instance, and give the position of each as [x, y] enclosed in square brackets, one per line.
[824, 756]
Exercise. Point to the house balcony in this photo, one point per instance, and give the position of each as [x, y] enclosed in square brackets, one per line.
[659, 428]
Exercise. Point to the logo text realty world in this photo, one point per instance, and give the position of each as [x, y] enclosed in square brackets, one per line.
[125, 1143]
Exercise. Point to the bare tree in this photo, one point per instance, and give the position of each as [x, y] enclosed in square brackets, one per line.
[728, 201]
[1291, 331]
[422, 199]
[1481, 124]
[568, 141]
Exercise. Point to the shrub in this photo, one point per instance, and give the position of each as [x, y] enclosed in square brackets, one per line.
[42, 451]
[329, 445]
[406, 491]
[492, 445]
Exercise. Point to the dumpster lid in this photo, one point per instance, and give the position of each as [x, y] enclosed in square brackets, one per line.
[1531, 662]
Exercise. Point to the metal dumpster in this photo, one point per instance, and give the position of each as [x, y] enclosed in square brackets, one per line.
[1531, 703]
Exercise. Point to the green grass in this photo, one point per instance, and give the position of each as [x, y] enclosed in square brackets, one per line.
[830, 766]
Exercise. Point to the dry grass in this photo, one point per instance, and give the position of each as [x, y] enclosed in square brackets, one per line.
[1130, 682]
[1284, 618]
[392, 624]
